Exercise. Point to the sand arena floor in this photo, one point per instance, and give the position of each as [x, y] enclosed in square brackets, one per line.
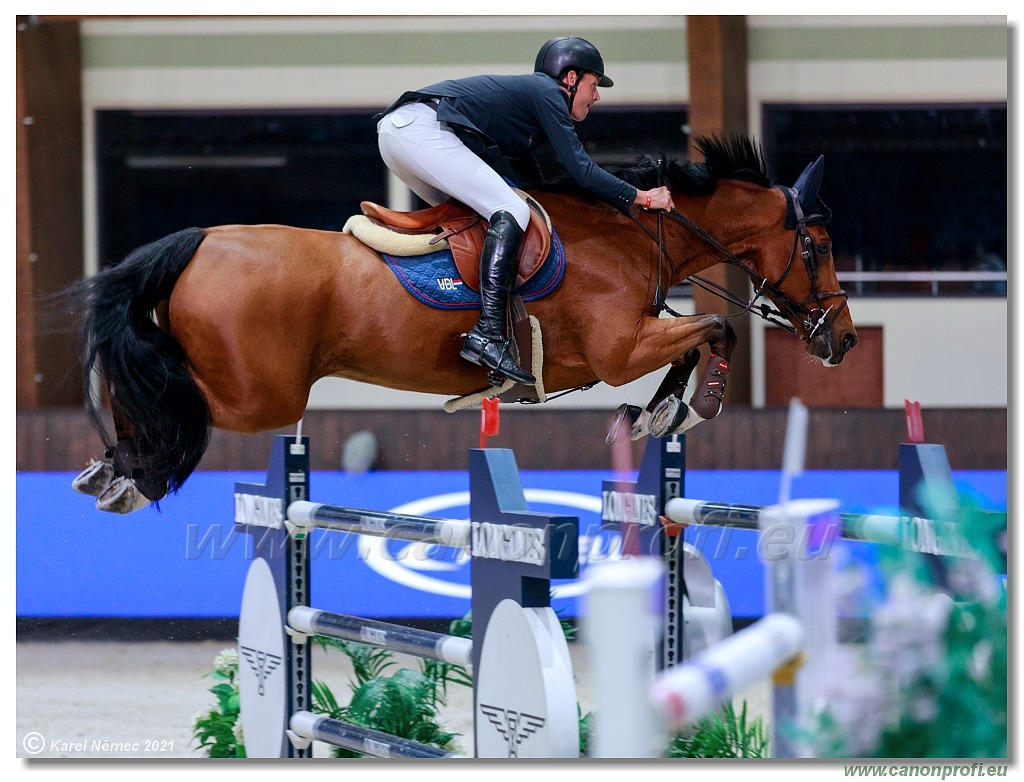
[94, 699]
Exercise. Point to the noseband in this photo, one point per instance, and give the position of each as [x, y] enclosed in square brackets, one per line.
[811, 313]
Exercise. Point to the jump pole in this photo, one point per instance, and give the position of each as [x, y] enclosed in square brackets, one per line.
[696, 609]
[637, 709]
[636, 589]
[524, 692]
[928, 502]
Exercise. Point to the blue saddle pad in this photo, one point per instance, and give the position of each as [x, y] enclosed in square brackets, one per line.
[434, 279]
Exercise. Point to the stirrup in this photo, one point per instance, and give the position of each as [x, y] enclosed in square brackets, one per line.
[498, 359]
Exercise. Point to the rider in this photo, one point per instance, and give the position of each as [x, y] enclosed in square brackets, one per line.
[445, 141]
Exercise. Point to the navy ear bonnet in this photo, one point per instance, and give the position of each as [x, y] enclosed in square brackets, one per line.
[802, 202]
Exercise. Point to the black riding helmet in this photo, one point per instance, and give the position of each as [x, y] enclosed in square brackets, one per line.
[560, 54]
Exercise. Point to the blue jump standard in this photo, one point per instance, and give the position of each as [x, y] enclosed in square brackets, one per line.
[516, 553]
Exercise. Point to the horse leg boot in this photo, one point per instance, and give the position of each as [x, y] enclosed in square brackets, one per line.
[709, 397]
[671, 415]
[488, 343]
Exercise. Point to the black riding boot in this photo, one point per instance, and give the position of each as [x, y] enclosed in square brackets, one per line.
[488, 343]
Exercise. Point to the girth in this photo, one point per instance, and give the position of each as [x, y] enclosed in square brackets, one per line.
[464, 231]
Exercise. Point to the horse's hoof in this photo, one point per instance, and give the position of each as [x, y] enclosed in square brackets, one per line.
[122, 496]
[639, 429]
[94, 478]
[625, 413]
[669, 413]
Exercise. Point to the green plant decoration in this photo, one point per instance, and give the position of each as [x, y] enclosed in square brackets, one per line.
[931, 681]
[218, 730]
[405, 703]
[724, 734]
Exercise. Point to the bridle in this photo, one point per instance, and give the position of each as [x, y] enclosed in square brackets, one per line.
[811, 313]
[812, 318]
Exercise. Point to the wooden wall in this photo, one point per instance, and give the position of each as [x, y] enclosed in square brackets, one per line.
[49, 247]
[741, 438]
[858, 382]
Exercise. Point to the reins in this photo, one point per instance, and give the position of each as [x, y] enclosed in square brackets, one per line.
[765, 311]
[813, 319]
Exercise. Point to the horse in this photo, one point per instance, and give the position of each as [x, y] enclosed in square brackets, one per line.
[230, 326]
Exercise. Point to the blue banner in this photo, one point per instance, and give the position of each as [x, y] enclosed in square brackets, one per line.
[186, 560]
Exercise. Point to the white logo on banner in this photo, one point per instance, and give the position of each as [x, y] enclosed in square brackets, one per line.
[415, 564]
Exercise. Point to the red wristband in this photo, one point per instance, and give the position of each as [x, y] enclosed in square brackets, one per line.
[648, 204]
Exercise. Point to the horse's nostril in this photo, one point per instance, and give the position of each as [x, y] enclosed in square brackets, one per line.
[849, 341]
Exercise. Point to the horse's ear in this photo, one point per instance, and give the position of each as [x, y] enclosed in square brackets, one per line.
[809, 182]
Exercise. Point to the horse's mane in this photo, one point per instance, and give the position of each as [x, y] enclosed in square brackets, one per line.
[734, 157]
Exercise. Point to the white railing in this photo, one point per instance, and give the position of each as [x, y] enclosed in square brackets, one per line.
[933, 278]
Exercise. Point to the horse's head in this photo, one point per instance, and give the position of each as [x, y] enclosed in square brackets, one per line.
[801, 280]
[784, 247]
[776, 234]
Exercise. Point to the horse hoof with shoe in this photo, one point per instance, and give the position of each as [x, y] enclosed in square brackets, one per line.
[122, 496]
[95, 478]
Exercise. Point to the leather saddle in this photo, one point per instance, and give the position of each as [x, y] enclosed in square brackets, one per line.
[464, 231]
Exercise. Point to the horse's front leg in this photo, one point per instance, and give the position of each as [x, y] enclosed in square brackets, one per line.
[709, 395]
[666, 413]
[673, 386]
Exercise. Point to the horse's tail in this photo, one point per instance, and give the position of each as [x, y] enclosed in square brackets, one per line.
[144, 369]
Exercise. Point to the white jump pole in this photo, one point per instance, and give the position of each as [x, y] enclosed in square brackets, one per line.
[796, 541]
[621, 627]
[686, 693]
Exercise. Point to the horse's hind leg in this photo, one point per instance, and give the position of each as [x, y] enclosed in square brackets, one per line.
[95, 478]
[117, 481]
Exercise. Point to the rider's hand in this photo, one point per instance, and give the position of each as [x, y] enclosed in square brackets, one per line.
[658, 198]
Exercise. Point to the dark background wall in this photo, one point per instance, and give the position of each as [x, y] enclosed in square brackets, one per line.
[544, 438]
[53, 432]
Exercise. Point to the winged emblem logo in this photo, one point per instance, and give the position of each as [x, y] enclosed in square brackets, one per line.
[515, 727]
[262, 664]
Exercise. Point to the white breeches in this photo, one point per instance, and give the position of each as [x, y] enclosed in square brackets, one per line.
[435, 164]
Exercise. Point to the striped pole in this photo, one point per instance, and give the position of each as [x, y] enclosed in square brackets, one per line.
[444, 532]
[684, 694]
[315, 727]
[926, 536]
[407, 640]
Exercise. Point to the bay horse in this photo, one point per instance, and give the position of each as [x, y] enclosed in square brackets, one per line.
[230, 326]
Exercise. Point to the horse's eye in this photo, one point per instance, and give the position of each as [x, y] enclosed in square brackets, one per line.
[823, 248]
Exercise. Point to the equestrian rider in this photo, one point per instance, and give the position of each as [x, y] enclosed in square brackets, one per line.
[446, 140]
